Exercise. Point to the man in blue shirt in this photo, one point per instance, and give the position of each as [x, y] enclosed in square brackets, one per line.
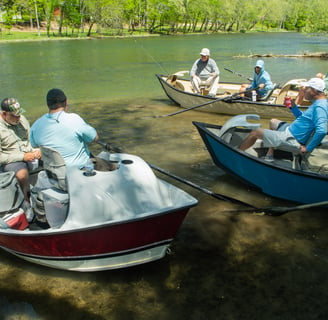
[306, 131]
[66, 132]
[205, 71]
[261, 82]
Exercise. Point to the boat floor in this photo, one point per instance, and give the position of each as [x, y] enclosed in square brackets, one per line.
[227, 88]
[316, 162]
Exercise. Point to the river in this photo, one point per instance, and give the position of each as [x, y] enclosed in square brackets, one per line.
[222, 265]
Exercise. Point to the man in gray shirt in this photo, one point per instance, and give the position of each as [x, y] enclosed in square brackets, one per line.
[205, 72]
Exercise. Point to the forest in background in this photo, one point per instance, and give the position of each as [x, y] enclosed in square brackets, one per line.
[122, 17]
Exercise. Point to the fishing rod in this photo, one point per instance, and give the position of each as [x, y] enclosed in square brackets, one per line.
[239, 74]
[149, 55]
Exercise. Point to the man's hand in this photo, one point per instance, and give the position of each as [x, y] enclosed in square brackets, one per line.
[30, 156]
[303, 149]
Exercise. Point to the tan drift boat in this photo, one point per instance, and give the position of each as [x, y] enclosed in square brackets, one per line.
[227, 99]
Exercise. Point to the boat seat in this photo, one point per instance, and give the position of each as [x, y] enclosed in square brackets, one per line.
[55, 167]
[240, 121]
[269, 93]
[172, 80]
[292, 84]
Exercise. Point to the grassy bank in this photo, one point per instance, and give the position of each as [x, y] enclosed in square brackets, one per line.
[25, 35]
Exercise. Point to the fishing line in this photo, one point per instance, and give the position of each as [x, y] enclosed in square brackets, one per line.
[149, 55]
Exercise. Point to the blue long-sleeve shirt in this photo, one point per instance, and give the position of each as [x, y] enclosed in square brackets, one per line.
[262, 77]
[310, 126]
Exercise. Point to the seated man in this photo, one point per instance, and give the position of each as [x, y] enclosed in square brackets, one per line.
[205, 71]
[65, 132]
[261, 82]
[305, 132]
[16, 152]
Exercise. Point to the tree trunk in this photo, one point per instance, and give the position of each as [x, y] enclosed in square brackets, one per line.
[89, 30]
[37, 17]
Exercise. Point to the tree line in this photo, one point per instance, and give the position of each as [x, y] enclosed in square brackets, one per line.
[74, 17]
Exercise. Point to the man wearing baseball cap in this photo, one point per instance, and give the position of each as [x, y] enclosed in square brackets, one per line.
[205, 71]
[16, 152]
[306, 131]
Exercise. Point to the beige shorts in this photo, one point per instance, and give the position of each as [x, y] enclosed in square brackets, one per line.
[283, 140]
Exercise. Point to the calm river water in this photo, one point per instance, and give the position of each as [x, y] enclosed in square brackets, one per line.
[223, 265]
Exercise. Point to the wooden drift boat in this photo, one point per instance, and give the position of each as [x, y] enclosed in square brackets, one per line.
[107, 220]
[287, 177]
[227, 99]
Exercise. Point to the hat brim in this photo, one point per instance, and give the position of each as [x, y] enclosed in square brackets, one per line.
[18, 112]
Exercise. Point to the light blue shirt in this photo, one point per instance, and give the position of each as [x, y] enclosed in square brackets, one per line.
[262, 78]
[312, 121]
[66, 132]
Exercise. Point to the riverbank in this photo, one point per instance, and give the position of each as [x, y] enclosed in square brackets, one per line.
[21, 34]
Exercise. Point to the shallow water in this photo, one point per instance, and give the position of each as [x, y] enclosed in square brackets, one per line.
[222, 265]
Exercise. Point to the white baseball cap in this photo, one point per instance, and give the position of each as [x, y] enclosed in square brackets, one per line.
[205, 52]
[315, 83]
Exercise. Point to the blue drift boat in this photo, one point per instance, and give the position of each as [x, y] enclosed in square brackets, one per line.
[288, 177]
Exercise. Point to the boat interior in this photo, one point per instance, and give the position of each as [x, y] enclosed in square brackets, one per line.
[225, 89]
[237, 129]
[67, 197]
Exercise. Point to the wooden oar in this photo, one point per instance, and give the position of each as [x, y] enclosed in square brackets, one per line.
[196, 186]
[229, 97]
[278, 211]
[239, 74]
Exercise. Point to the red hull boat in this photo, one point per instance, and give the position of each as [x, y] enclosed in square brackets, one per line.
[115, 219]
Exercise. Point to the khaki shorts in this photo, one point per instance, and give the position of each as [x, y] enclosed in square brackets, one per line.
[283, 140]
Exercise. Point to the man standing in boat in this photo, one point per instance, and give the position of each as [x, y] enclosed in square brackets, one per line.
[205, 72]
[261, 82]
[306, 131]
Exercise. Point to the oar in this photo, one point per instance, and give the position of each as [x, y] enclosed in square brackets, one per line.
[239, 74]
[277, 211]
[272, 211]
[109, 147]
[196, 186]
[229, 97]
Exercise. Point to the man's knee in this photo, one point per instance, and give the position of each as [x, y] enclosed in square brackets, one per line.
[257, 133]
[274, 123]
[22, 174]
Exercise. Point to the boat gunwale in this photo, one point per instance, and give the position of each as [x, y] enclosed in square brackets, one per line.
[260, 103]
[62, 231]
